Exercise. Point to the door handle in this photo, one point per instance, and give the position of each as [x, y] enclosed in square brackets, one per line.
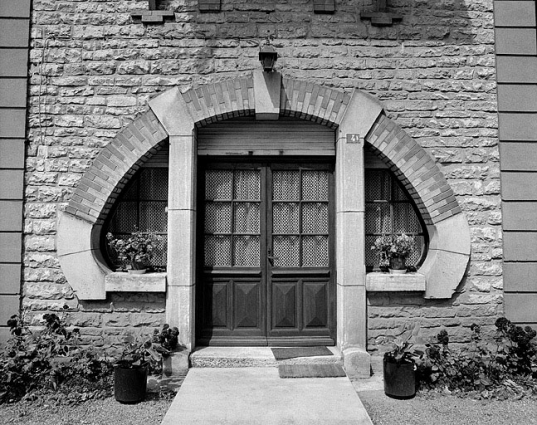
[271, 257]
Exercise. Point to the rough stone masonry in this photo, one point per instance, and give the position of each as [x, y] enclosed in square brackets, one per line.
[92, 70]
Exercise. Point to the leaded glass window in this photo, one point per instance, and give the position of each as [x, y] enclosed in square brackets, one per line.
[390, 211]
[142, 206]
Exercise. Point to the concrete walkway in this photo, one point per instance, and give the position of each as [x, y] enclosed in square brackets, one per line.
[257, 395]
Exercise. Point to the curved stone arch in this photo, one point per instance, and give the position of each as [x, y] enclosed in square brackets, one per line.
[449, 247]
[175, 115]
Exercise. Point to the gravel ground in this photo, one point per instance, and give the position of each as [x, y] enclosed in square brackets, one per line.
[447, 410]
[95, 412]
[427, 409]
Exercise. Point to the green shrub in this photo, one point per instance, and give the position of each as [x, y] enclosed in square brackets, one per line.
[51, 359]
[500, 366]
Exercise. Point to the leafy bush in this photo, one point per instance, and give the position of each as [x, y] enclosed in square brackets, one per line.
[52, 358]
[501, 366]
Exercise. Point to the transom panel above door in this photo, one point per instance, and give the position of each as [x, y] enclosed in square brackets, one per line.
[266, 254]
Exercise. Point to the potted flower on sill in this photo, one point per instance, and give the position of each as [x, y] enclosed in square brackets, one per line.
[399, 367]
[138, 358]
[133, 253]
[394, 250]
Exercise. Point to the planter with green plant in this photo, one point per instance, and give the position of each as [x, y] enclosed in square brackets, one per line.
[394, 251]
[134, 253]
[140, 357]
[399, 367]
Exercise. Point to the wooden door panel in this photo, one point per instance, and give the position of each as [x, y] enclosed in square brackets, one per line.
[284, 305]
[215, 298]
[315, 310]
[247, 305]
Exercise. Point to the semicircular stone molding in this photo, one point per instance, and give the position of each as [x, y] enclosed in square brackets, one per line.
[449, 234]
[173, 113]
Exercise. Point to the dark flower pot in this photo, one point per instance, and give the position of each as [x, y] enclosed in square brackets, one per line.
[130, 384]
[399, 379]
[398, 263]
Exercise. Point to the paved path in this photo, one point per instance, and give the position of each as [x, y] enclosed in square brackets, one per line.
[257, 395]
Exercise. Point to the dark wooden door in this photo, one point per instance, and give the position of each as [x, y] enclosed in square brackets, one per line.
[266, 255]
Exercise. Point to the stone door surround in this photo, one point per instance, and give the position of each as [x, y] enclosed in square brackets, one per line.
[356, 117]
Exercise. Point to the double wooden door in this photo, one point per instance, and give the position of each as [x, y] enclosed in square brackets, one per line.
[265, 254]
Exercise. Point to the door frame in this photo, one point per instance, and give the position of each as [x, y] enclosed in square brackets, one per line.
[267, 164]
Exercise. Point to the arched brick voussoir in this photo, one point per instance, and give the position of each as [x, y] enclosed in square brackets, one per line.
[447, 227]
[100, 185]
[310, 101]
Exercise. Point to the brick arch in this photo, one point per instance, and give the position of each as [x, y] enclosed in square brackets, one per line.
[174, 116]
[416, 169]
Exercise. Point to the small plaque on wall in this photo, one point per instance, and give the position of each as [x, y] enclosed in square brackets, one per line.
[354, 139]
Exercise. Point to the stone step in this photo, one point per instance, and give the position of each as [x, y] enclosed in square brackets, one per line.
[227, 357]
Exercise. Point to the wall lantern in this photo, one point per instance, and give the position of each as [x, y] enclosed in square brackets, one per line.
[268, 57]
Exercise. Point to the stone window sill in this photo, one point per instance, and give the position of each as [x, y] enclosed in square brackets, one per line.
[385, 282]
[126, 282]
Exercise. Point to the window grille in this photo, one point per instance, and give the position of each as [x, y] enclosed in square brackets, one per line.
[142, 206]
[389, 211]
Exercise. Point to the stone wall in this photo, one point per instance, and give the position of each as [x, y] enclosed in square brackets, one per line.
[93, 70]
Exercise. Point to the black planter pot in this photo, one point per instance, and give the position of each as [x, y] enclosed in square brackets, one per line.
[130, 384]
[399, 379]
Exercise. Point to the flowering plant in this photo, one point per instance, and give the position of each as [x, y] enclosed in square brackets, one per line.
[394, 246]
[135, 251]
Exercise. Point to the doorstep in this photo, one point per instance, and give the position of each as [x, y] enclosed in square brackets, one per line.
[228, 357]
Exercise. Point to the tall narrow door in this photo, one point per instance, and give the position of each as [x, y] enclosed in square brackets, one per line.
[267, 255]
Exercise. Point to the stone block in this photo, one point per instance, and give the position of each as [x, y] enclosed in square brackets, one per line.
[519, 186]
[11, 153]
[514, 13]
[5, 334]
[9, 305]
[350, 173]
[357, 363]
[351, 317]
[10, 216]
[171, 111]
[15, 8]
[182, 173]
[13, 63]
[13, 92]
[350, 248]
[517, 98]
[181, 247]
[518, 157]
[384, 282]
[180, 313]
[520, 307]
[267, 89]
[84, 275]
[12, 122]
[10, 247]
[516, 69]
[516, 246]
[444, 272]
[11, 278]
[519, 215]
[520, 277]
[14, 32]
[516, 41]
[176, 364]
[127, 282]
[451, 234]
[360, 115]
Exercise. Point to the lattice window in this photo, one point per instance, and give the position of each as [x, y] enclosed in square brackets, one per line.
[300, 218]
[232, 224]
[142, 206]
[389, 211]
